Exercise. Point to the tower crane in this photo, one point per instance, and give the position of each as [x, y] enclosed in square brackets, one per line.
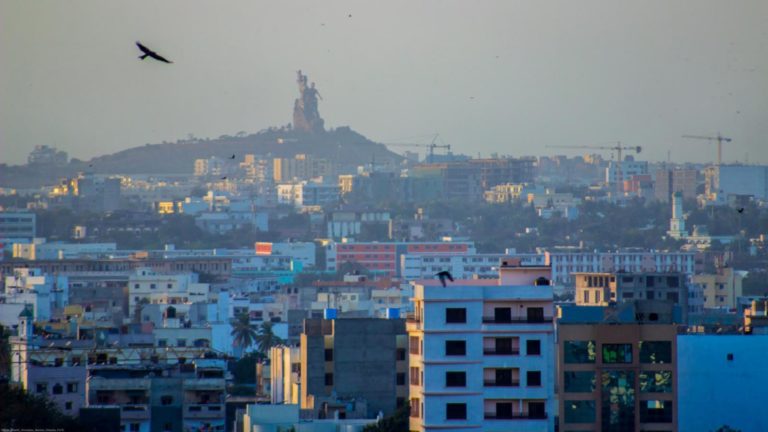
[430, 147]
[720, 140]
[618, 148]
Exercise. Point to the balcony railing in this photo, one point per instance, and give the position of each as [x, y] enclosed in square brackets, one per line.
[204, 411]
[134, 412]
[517, 320]
[503, 351]
[515, 416]
[494, 383]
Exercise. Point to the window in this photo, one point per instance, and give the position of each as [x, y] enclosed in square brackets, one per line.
[504, 410]
[72, 387]
[136, 427]
[162, 343]
[502, 315]
[169, 286]
[181, 342]
[455, 348]
[579, 411]
[578, 382]
[456, 315]
[136, 286]
[166, 400]
[152, 286]
[400, 379]
[617, 353]
[535, 314]
[456, 411]
[504, 345]
[67, 406]
[329, 379]
[533, 378]
[536, 410]
[617, 400]
[456, 379]
[58, 389]
[655, 382]
[575, 352]
[413, 345]
[655, 352]
[656, 411]
[414, 375]
[415, 408]
[329, 354]
[533, 347]
[400, 354]
[504, 378]
[41, 388]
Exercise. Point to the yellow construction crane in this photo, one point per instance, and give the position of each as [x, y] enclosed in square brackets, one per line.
[430, 147]
[720, 140]
[618, 148]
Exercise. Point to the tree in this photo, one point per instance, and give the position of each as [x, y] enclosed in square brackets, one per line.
[243, 331]
[23, 411]
[266, 339]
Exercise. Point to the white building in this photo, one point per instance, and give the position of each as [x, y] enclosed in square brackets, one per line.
[180, 290]
[720, 382]
[482, 353]
[630, 260]
[224, 222]
[629, 167]
[285, 367]
[45, 294]
[413, 267]
[306, 194]
[50, 251]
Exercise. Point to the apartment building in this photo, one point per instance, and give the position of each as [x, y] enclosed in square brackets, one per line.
[385, 258]
[285, 370]
[180, 290]
[17, 225]
[481, 353]
[617, 367]
[721, 288]
[461, 266]
[564, 264]
[353, 368]
[602, 289]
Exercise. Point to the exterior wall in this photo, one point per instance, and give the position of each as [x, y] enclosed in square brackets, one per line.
[64, 385]
[719, 391]
[385, 258]
[633, 395]
[721, 290]
[428, 333]
[14, 225]
[724, 180]
[565, 263]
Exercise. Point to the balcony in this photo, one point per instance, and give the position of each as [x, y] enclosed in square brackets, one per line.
[494, 383]
[100, 383]
[515, 416]
[204, 384]
[134, 412]
[501, 351]
[204, 411]
[517, 320]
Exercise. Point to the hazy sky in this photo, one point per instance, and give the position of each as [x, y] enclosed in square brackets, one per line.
[489, 76]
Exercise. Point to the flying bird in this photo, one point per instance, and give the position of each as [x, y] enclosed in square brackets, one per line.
[149, 53]
[224, 178]
[233, 156]
[443, 275]
[741, 210]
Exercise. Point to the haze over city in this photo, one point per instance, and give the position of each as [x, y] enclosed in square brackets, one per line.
[503, 77]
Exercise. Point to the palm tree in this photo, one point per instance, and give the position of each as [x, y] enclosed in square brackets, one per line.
[243, 331]
[266, 338]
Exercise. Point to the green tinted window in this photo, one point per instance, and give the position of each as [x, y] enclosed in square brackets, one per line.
[617, 353]
[655, 352]
[579, 351]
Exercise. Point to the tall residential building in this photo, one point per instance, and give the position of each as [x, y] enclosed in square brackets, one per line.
[602, 289]
[669, 181]
[481, 353]
[617, 367]
[629, 167]
[285, 375]
[355, 367]
[300, 167]
[722, 288]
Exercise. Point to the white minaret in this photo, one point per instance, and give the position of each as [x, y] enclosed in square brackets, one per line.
[677, 222]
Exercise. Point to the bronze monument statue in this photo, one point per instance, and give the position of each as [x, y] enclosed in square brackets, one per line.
[306, 117]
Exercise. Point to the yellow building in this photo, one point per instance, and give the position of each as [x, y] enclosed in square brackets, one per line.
[722, 288]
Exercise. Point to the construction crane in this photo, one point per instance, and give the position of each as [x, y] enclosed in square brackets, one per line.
[431, 146]
[720, 140]
[618, 148]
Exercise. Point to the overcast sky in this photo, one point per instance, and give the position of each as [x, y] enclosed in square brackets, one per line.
[489, 76]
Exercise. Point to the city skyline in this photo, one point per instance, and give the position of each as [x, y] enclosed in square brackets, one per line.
[640, 74]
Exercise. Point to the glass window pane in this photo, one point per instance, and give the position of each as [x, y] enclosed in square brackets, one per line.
[618, 401]
[655, 382]
[656, 352]
[579, 382]
[579, 411]
[579, 352]
[617, 353]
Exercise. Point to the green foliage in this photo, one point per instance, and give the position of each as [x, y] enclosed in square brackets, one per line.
[21, 410]
[266, 338]
[244, 371]
[397, 422]
[243, 331]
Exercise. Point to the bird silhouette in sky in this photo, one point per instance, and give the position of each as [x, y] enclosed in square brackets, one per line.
[233, 156]
[741, 210]
[149, 53]
[443, 276]
[224, 178]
